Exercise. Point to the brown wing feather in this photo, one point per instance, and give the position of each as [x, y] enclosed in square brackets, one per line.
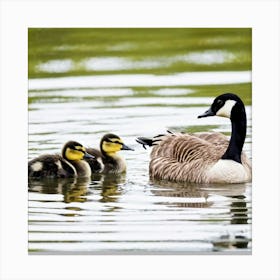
[186, 157]
[213, 137]
[188, 147]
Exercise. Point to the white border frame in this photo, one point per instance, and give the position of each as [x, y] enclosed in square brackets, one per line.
[261, 15]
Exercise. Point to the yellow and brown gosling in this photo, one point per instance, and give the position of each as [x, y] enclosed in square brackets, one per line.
[70, 163]
[204, 157]
[106, 160]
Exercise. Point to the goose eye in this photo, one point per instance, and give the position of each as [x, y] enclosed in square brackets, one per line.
[220, 103]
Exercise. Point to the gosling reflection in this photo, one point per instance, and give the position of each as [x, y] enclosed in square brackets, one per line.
[72, 189]
[198, 197]
[110, 186]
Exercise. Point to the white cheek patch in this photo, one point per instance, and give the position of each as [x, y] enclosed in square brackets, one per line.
[225, 111]
[37, 166]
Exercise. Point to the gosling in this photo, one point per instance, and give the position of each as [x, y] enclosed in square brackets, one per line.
[106, 160]
[70, 163]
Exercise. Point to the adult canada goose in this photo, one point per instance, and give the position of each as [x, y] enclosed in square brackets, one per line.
[69, 164]
[106, 159]
[204, 157]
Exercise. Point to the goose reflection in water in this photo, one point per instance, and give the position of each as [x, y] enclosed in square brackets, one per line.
[234, 210]
[239, 210]
[197, 197]
[200, 195]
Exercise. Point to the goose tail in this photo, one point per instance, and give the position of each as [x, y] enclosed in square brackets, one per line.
[145, 141]
[151, 141]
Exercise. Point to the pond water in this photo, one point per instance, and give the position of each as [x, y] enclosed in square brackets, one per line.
[74, 96]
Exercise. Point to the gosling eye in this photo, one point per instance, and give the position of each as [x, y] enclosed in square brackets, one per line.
[113, 141]
[79, 148]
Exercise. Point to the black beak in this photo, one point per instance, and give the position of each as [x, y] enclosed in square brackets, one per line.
[124, 147]
[208, 113]
[87, 155]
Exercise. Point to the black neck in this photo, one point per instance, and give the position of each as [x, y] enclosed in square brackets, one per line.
[238, 133]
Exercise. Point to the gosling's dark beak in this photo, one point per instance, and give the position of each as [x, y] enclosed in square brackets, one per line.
[124, 147]
[87, 155]
[208, 113]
